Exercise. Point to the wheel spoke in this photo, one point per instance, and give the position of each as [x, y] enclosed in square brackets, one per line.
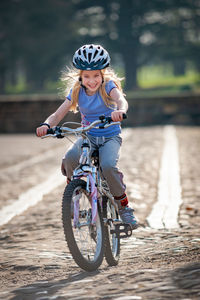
[85, 240]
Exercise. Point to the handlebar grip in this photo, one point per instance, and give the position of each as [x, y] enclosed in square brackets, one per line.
[109, 119]
[125, 116]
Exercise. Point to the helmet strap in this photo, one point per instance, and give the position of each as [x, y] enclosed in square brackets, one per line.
[80, 81]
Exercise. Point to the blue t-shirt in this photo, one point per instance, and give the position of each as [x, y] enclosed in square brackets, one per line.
[91, 107]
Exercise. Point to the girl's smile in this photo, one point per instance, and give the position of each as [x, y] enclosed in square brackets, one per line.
[91, 80]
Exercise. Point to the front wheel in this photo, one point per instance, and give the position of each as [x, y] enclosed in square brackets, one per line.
[112, 241]
[84, 239]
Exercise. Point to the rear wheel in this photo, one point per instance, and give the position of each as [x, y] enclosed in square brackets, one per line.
[112, 242]
[84, 239]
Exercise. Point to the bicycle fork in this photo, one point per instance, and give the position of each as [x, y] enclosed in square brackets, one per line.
[92, 191]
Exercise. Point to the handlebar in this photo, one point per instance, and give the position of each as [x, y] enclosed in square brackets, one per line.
[60, 131]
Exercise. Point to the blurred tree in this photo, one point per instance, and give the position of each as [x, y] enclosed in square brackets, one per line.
[7, 40]
[35, 38]
[157, 31]
[179, 35]
[39, 37]
[48, 31]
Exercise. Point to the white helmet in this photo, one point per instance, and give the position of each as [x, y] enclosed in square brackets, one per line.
[91, 57]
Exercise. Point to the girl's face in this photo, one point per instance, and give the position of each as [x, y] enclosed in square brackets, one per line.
[91, 80]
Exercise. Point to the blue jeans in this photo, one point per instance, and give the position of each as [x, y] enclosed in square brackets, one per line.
[109, 148]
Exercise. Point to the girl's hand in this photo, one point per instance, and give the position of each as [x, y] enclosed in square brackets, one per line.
[117, 115]
[42, 130]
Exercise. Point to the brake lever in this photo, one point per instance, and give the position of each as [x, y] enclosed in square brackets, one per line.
[56, 132]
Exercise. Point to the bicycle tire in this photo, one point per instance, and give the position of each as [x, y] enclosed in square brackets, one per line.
[112, 242]
[84, 258]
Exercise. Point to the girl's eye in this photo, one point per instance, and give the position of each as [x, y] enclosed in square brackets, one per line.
[85, 76]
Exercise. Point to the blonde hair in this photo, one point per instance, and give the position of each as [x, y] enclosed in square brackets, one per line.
[71, 80]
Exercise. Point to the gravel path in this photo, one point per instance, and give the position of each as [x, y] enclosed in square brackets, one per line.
[154, 263]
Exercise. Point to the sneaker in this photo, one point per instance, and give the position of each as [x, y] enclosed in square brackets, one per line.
[127, 216]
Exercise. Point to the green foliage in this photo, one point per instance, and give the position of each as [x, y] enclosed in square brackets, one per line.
[162, 76]
[39, 38]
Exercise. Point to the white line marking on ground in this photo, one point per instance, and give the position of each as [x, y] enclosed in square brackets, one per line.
[165, 211]
[30, 197]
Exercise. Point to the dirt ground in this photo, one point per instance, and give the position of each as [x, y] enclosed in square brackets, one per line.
[154, 264]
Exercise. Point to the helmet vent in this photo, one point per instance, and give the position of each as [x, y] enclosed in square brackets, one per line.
[89, 56]
[102, 53]
[95, 53]
[85, 54]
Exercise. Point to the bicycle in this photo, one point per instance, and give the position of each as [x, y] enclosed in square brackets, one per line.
[89, 212]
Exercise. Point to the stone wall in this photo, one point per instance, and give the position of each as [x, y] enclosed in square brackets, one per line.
[180, 110]
[22, 114]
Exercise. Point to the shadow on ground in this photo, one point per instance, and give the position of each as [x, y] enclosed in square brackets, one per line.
[49, 289]
[179, 283]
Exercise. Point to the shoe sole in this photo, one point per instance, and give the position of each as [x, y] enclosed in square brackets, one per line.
[134, 226]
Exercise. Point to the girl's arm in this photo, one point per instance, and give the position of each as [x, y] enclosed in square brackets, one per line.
[55, 118]
[122, 105]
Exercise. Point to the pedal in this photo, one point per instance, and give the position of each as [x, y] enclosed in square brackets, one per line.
[122, 230]
[117, 222]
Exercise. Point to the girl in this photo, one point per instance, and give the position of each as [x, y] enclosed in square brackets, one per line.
[96, 91]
